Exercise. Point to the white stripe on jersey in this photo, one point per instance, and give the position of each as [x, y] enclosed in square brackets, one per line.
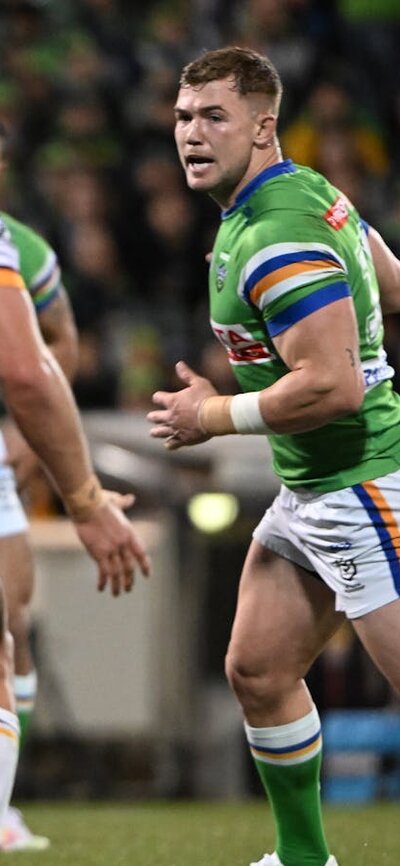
[9, 256]
[274, 250]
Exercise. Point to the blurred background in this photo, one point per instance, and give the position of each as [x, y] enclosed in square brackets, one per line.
[132, 699]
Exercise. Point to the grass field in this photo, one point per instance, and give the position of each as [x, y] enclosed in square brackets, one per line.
[196, 834]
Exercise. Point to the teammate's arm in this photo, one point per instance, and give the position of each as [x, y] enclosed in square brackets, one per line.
[59, 332]
[41, 402]
[58, 329]
[324, 382]
[387, 268]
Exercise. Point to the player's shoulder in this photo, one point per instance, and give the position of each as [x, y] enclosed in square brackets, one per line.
[23, 234]
[302, 206]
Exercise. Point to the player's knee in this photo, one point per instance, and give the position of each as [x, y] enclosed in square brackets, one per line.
[257, 684]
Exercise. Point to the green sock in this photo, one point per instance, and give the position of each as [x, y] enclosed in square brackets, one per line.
[25, 688]
[288, 759]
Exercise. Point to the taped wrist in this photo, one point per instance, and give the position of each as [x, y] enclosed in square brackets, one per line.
[241, 413]
[246, 414]
[86, 500]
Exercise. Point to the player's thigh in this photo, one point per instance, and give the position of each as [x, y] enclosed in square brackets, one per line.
[285, 615]
[379, 631]
[16, 570]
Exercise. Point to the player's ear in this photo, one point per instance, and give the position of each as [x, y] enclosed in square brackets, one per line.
[265, 129]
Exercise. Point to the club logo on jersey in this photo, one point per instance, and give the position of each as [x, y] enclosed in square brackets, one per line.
[337, 215]
[221, 277]
[241, 346]
[222, 271]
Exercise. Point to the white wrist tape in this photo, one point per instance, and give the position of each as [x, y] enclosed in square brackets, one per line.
[246, 414]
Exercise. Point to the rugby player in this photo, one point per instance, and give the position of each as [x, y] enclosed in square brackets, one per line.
[40, 400]
[41, 274]
[294, 298]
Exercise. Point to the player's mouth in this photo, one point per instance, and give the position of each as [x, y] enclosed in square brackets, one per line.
[198, 164]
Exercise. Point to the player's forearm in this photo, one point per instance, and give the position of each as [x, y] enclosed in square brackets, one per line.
[44, 410]
[59, 332]
[297, 403]
[65, 350]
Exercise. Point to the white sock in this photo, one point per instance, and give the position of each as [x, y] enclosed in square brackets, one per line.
[25, 689]
[9, 741]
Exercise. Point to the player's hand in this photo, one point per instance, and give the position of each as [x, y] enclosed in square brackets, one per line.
[178, 420]
[111, 541]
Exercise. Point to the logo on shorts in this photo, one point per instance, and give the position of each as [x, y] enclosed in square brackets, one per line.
[348, 570]
[341, 545]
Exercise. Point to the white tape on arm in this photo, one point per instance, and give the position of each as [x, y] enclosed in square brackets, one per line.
[246, 414]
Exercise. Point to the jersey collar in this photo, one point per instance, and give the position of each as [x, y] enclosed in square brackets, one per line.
[285, 167]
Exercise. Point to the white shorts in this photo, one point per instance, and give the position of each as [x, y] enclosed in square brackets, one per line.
[12, 516]
[350, 538]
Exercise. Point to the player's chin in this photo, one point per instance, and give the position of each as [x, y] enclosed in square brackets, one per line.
[204, 182]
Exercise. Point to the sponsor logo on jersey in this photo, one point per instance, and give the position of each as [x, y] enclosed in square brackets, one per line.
[240, 344]
[338, 214]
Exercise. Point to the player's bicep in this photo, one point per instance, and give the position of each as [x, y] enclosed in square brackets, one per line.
[325, 341]
[20, 340]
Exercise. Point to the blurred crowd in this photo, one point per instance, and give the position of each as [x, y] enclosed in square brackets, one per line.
[87, 89]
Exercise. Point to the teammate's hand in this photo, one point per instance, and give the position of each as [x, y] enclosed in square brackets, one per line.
[178, 421]
[111, 541]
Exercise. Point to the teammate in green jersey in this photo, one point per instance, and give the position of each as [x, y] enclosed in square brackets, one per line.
[39, 398]
[41, 274]
[294, 298]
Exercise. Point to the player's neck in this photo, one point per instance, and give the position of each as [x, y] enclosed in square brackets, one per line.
[262, 160]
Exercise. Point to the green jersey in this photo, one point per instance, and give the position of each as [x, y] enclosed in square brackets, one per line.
[290, 245]
[38, 264]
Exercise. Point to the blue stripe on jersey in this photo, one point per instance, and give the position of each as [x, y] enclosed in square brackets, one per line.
[285, 167]
[41, 305]
[365, 226]
[277, 262]
[284, 749]
[306, 306]
[384, 536]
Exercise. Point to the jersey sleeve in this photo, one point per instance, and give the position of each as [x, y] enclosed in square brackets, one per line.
[37, 260]
[45, 283]
[10, 274]
[288, 280]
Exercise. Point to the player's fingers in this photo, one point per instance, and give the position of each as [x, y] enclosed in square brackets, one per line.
[123, 501]
[102, 574]
[128, 565]
[163, 398]
[185, 372]
[116, 574]
[162, 432]
[140, 556]
[172, 443]
[158, 416]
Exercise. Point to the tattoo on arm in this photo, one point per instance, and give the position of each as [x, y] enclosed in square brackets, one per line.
[351, 357]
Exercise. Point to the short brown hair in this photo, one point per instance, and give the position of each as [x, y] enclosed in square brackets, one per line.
[252, 72]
